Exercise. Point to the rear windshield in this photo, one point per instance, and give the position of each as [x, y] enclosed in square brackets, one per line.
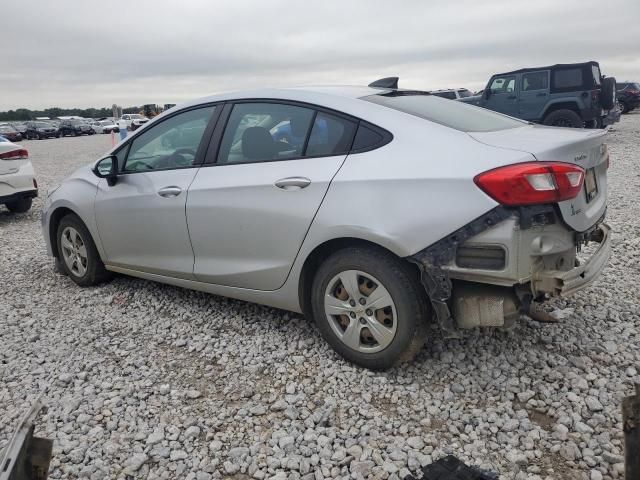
[453, 114]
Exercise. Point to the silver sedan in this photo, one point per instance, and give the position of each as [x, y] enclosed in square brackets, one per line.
[372, 210]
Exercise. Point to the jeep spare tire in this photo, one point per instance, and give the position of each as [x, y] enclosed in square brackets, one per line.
[563, 118]
[608, 93]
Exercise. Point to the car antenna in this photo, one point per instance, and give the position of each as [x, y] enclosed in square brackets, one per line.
[388, 82]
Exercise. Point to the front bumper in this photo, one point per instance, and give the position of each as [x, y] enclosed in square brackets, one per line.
[565, 283]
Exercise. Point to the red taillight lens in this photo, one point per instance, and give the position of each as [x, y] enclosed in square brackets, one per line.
[20, 154]
[532, 183]
[633, 91]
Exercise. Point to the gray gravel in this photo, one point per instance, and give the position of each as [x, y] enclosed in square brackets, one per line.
[151, 381]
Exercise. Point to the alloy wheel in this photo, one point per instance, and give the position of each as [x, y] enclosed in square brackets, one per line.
[360, 311]
[74, 251]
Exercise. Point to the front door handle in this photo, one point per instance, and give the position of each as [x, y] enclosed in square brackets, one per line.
[293, 183]
[169, 192]
[541, 95]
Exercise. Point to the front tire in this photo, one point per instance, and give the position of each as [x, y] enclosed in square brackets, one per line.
[20, 206]
[79, 256]
[370, 307]
[563, 118]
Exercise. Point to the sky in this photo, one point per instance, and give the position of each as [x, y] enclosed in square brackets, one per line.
[85, 53]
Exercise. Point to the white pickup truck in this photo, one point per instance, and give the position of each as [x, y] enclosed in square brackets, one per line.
[133, 120]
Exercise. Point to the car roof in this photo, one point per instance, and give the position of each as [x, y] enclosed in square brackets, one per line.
[293, 93]
[549, 67]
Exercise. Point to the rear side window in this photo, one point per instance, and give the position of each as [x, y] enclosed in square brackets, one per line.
[568, 78]
[456, 115]
[330, 135]
[535, 81]
[595, 70]
[366, 138]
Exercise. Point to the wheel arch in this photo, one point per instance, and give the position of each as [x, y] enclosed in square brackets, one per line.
[561, 105]
[55, 219]
[322, 252]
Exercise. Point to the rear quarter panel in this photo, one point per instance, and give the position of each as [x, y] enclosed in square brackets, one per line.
[413, 191]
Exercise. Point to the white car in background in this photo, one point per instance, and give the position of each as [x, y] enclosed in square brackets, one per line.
[134, 120]
[18, 184]
[104, 126]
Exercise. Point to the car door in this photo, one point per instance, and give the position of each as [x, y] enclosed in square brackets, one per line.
[141, 219]
[503, 96]
[534, 94]
[251, 205]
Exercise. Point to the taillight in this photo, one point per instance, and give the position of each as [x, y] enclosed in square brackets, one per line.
[532, 183]
[633, 91]
[20, 154]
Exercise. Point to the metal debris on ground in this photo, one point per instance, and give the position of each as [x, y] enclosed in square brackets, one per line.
[450, 468]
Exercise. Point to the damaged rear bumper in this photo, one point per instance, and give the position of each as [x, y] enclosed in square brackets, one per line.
[469, 287]
[555, 282]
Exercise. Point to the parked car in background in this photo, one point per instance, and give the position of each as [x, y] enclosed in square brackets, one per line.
[498, 225]
[41, 130]
[104, 126]
[628, 96]
[74, 128]
[18, 184]
[10, 133]
[21, 127]
[134, 120]
[452, 93]
[565, 95]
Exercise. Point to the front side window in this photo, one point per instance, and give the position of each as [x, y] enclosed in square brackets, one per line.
[261, 132]
[504, 84]
[172, 143]
[535, 81]
[568, 78]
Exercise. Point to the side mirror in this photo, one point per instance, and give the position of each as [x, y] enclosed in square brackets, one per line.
[107, 168]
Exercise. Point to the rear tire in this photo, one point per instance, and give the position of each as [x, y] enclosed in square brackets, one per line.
[389, 326]
[20, 206]
[78, 254]
[563, 118]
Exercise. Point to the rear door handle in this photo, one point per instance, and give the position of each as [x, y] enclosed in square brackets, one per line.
[293, 183]
[541, 95]
[169, 192]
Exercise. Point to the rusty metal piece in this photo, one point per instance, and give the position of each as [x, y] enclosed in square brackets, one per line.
[631, 428]
[537, 312]
[27, 457]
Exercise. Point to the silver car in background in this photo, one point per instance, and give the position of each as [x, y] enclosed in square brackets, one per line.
[371, 210]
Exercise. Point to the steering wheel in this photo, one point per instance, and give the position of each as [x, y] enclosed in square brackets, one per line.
[176, 159]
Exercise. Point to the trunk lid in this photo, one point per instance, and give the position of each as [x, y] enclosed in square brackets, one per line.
[571, 145]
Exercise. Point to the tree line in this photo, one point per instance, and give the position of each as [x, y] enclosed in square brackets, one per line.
[26, 114]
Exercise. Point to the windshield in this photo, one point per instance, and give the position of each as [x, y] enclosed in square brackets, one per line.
[6, 129]
[453, 114]
[135, 116]
[42, 124]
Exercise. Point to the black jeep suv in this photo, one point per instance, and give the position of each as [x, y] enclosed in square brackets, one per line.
[563, 95]
[75, 128]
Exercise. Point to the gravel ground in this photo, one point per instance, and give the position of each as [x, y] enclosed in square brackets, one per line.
[151, 381]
